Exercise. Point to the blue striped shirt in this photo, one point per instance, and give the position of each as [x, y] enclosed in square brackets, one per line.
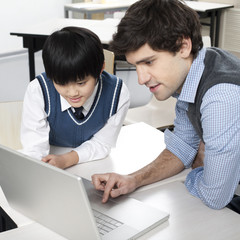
[216, 182]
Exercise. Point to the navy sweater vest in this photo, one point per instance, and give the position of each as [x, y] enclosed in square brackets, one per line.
[68, 131]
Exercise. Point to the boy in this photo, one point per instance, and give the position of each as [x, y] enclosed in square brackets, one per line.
[165, 45]
[75, 103]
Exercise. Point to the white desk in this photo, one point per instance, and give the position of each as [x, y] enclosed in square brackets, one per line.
[204, 9]
[212, 11]
[207, 6]
[189, 217]
[137, 145]
[35, 36]
[89, 8]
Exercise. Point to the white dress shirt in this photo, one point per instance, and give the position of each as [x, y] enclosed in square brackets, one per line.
[35, 127]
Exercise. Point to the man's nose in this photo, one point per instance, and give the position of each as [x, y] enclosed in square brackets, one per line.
[143, 76]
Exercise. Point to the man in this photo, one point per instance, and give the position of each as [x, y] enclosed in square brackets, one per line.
[162, 38]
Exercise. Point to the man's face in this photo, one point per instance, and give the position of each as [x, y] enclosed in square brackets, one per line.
[161, 71]
[76, 93]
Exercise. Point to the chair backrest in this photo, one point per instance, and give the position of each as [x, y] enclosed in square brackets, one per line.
[206, 41]
[109, 61]
[10, 122]
[139, 94]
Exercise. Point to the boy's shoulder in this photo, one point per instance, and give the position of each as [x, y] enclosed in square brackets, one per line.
[110, 79]
[107, 75]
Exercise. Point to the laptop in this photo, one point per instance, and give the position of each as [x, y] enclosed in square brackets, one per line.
[69, 204]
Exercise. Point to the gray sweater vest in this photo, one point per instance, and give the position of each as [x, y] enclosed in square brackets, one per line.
[220, 67]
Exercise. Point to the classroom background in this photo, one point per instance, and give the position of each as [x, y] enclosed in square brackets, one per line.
[16, 14]
[14, 77]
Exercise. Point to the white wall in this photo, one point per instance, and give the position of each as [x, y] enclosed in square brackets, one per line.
[14, 75]
[14, 15]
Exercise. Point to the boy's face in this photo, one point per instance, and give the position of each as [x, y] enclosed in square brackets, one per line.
[76, 93]
[161, 71]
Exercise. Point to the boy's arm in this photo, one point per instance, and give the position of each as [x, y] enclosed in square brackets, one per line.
[34, 125]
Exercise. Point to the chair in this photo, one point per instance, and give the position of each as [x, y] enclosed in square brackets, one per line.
[206, 41]
[10, 121]
[159, 114]
[139, 94]
[109, 61]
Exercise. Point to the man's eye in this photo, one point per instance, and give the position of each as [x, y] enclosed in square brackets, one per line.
[149, 62]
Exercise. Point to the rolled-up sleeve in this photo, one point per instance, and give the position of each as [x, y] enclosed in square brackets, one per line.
[179, 148]
[183, 141]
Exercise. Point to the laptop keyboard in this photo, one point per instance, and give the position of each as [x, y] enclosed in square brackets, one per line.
[105, 224]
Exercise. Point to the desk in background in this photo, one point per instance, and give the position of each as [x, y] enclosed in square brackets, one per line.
[204, 10]
[212, 11]
[35, 36]
[89, 8]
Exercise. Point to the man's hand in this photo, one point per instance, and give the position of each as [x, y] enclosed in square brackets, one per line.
[62, 161]
[113, 184]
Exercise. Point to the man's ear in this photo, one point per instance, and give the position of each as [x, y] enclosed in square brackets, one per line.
[186, 47]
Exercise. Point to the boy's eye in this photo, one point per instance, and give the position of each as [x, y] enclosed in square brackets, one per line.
[81, 83]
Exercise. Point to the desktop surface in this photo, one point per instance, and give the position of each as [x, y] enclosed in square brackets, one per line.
[189, 217]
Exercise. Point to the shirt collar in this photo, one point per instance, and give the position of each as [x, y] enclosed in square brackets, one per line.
[191, 83]
[86, 106]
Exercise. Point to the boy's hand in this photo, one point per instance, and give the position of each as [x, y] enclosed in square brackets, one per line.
[62, 161]
[113, 184]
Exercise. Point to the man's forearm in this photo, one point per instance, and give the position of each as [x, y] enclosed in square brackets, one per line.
[164, 166]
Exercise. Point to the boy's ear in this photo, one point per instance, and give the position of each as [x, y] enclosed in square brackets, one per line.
[186, 47]
[103, 67]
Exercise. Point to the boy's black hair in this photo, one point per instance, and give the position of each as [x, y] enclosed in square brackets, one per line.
[71, 54]
[162, 24]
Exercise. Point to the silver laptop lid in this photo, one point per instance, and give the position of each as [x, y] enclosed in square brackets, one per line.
[52, 205]
[58, 200]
